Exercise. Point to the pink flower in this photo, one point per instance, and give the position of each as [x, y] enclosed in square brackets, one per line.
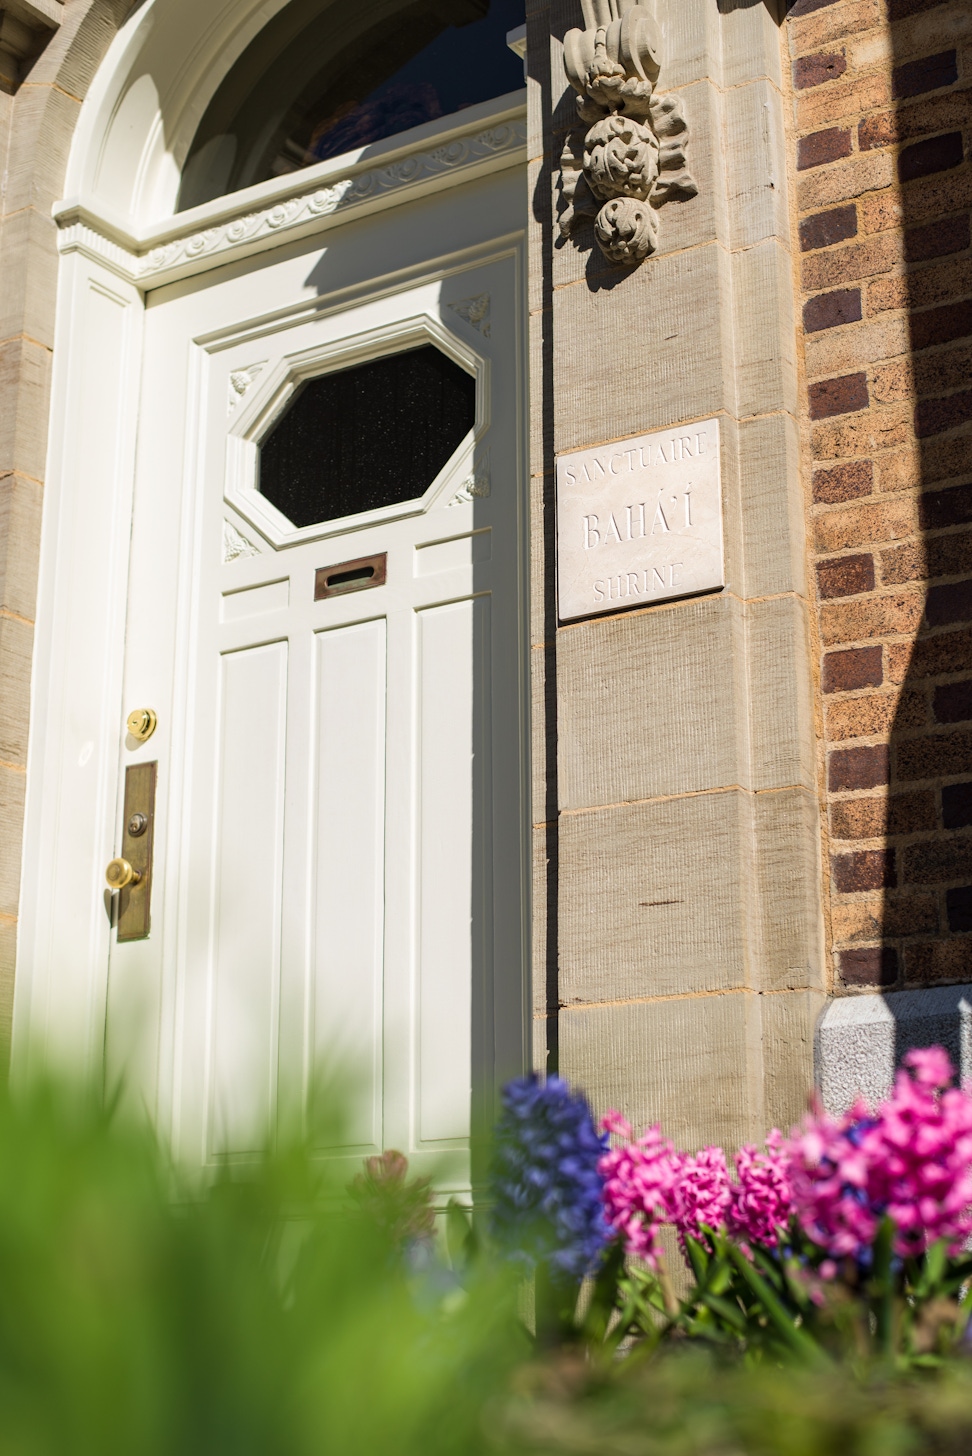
[638, 1178]
[910, 1160]
[762, 1199]
[701, 1195]
[648, 1184]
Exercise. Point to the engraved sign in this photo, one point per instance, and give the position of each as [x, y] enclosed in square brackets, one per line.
[639, 521]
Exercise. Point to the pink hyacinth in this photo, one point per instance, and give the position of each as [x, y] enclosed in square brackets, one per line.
[701, 1196]
[638, 1179]
[911, 1160]
[648, 1184]
[762, 1198]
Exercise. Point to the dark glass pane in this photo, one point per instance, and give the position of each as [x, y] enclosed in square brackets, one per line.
[367, 437]
[311, 86]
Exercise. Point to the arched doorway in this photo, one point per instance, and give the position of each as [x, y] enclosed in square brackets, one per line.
[285, 514]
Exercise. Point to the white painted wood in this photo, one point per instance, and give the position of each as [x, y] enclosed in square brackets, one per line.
[339, 854]
[247, 895]
[75, 732]
[349, 928]
[451, 647]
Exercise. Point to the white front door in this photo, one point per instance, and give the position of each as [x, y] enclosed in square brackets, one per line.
[339, 845]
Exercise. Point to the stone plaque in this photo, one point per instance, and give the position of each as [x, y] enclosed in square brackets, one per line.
[639, 521]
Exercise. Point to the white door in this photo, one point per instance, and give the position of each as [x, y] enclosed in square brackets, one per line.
[339, 844]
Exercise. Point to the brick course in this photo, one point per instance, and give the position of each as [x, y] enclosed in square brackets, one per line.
[882, 110]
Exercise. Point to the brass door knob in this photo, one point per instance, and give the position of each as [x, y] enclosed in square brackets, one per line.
[120, 873]
[142, 723]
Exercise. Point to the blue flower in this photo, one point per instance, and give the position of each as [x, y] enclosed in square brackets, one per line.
[545, 1184]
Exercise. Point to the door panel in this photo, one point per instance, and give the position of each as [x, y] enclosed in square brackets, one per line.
[449, 758]
[349, 898]
[246, 910]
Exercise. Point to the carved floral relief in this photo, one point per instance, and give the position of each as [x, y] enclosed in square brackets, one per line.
[626, 159]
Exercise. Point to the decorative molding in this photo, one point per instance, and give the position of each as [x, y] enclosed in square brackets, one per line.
[475, 311]
[239, 382]
[628, 159]
[236, 545]
[149, 262]
[475, 486]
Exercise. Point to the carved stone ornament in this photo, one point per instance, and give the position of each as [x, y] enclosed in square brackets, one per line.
[627, 158]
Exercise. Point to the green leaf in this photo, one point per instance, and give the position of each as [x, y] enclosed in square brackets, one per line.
[883, 1287]
[797, 1339]
[604, 1298]
[698, 1258]
[460, 1236]
[728, 1312]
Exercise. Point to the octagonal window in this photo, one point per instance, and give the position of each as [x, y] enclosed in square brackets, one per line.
[366, 438]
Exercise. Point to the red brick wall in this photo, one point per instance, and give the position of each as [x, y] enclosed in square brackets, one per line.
[883, 114]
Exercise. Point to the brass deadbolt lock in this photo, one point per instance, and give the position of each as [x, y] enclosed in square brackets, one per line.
[120, 873]
[142, 723]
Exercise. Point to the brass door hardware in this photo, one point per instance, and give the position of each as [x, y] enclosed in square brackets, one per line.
[349, 576]
[120, 874]
[142, 723]
[131, 873]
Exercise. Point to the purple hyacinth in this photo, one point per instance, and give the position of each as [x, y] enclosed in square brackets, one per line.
[546, 1187]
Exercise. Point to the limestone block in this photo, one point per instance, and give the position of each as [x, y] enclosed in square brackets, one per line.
[540, 225]
[689, 43]
[25, 369]
[763, 369]
[6, 117]
[541, 409]
[75, 50]
[544, 52]
[656, 899]
[16, 646]
[20, 523]
[652, 703]
[861, 1039]
[788, 1023]
[636, 358]
[540, 1048]
[788, 920]
[772, 557]
[13, 782]
[28, 267]
[702, 218]
[543, 606]
[751, 42]
[545, 930]
[543, 664]
[731, 42]
[40, 139]
[780, 705]
[754, 135]
[693, 1064]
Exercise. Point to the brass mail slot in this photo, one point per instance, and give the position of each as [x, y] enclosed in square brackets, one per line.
[350, 576]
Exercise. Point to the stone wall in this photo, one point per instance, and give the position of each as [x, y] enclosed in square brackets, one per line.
[37, 120]
[679, 949]
[881, 99]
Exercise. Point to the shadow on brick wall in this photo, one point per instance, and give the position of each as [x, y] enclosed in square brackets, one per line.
[927, 926]
[911, 571]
